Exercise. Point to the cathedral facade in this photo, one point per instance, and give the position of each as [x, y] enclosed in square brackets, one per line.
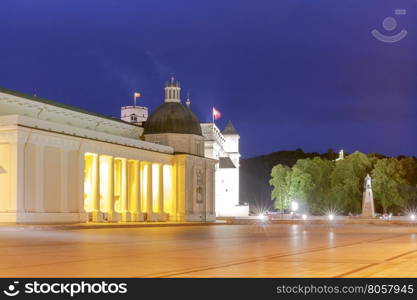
[61, 164]
[204, 139]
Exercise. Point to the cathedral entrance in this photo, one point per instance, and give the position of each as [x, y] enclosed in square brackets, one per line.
[120, 189]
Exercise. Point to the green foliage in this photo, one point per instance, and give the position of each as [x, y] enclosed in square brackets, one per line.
[409, 165]
[311, 183]
[388, 183]
[318, 183]
[255, 174]
[347, 182]
[280, 175]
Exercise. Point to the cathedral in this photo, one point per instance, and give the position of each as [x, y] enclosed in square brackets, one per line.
[62, 164]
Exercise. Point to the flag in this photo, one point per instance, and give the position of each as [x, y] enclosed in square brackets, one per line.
[216, 114]
[136, 95]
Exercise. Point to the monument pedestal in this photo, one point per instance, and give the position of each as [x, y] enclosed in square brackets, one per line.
[368, 210]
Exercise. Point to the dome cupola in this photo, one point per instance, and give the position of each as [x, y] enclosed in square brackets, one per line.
[172, 116]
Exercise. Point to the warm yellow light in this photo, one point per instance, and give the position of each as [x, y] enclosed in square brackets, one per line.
[117, 185]
[144, 186]
[88, 182]
[104, 180]
[168, 190]
[155, 188]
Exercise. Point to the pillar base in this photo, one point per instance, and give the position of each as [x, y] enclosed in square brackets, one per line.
[95, 216]
[152, 217]
[111, 216]
[157, 217]
[163, 217]
[137, 217]
[125, 217]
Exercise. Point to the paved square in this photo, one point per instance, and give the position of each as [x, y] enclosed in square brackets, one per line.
[212, 251]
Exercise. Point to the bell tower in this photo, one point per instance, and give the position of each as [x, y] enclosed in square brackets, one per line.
[172, 90]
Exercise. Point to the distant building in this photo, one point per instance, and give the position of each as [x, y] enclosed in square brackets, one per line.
[224, 147]
[134, 114]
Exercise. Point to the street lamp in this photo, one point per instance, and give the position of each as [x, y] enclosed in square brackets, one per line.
[262, 217]
[294, 206]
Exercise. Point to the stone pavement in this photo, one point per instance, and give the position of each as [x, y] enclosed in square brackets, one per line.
[257, 250]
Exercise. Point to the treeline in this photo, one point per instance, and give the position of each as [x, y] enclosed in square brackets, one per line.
[319, 184]
[255, 173]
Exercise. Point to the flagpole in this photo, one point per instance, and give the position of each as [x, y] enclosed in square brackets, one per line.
[134, 100]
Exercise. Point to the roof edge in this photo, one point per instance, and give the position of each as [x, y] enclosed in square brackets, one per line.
[60, 105]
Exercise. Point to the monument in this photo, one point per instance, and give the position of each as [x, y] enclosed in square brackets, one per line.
[341, 155]
[368, 210]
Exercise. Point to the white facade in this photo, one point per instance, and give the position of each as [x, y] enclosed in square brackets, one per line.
[224, 147]
[60, 164]
[134, 114]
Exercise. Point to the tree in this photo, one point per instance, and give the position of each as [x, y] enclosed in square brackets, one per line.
[300, 185]
[310, 183]
[330, 154]
[388, 183]
[347, 182]
[280, 175]
[409, 165]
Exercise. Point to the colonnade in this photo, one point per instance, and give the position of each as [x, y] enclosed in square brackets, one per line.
[121, 189]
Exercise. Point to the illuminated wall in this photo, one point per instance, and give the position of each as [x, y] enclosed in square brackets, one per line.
[5, 176]
[169, 191]
[155, 188]
[88, 183]
[127, 189]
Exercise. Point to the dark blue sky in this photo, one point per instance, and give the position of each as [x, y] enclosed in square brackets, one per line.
[288, 73]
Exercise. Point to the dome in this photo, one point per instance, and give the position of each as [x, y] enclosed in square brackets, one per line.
[172, 117]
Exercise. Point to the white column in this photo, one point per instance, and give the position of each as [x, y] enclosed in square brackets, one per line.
[124, 190]
[135, 191]
[39, 205]
[161, 188]
[80, 181]
[96, 188]
[17, 178]
[64, 180]
[149, 192]
[110, 189]
[138, 184]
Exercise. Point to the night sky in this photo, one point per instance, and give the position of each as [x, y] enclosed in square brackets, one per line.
[289, 73]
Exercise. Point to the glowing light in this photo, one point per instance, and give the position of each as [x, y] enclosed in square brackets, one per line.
[411, 212]
[155, 187]
[168, 190]
[331, 217]
[262, 217]
[294, 206]
[304, 216]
